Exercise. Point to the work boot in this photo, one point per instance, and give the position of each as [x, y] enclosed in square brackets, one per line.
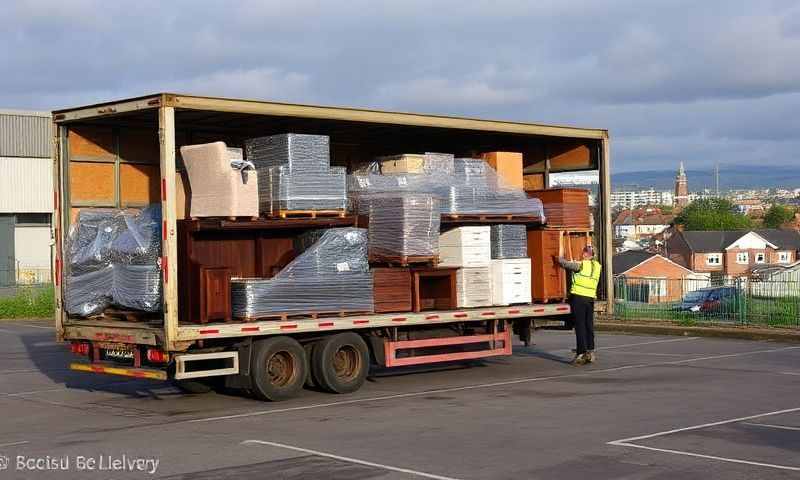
[591, 357]
[579, 359]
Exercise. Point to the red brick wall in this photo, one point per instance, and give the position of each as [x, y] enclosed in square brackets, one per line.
[658, 267]
[699, 264]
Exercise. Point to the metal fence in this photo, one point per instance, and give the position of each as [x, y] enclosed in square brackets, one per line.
[738, 301]
[11, 281]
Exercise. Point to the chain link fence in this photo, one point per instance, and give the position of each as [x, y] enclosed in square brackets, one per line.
[24, 278]
[739, 301]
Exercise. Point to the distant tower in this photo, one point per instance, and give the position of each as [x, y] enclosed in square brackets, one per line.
[716, 177]
[681, 188]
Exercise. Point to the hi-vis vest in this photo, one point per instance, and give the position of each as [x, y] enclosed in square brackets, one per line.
[584, 282]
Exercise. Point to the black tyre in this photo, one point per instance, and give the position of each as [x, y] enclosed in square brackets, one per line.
[340, 363]
[279, 368]
[309, 348]
[192, 386]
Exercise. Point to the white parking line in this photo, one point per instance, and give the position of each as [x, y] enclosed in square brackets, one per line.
[14, 444]
[348, 459]
[627, 442]
[653, 342]
[477, 386]
[768, 425]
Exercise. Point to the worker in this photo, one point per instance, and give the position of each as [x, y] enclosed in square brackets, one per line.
[585, 278]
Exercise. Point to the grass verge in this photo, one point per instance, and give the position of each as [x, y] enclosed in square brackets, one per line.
[30, 302]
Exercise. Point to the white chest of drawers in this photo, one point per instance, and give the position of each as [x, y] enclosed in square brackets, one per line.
[465, 247]
[511, 281]
[473, 287]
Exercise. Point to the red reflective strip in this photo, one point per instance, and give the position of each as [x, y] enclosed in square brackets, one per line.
[98, 369]
[58, 271]
[165, 268]
[164, 230]
[460, 315]
[399, 319]
[561, 309]
[136, 373]
[251, 329]
[513, 311]
[163, 189]
[359, 322]
[289, 326]
[325, 324]
[209, 331]
[432, 317]
[538, 310]
[487, 314]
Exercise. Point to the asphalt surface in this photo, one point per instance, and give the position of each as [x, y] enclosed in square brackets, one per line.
[652, 408]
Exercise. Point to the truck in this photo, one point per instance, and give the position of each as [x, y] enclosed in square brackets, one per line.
[122, 154]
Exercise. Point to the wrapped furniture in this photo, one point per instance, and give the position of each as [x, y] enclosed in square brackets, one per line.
[296, 174]
[565, 207]
[509, 241]
[332, 276]
[112, 257]
[465, 247]
[474, 287]
[218, 189]
[404, 228]
[511, 281]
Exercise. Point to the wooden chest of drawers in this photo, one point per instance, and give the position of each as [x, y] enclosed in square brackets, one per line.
[392, 289]
[548, 279]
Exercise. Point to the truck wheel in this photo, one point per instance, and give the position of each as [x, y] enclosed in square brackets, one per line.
[278, 368]
[340, 363]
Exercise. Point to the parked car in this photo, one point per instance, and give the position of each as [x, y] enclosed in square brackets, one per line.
[707, 300]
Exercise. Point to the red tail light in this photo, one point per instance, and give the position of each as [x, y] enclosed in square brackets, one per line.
[155, 355]
[79, 348]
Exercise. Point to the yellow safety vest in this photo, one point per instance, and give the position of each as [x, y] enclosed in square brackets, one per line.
[584, 281]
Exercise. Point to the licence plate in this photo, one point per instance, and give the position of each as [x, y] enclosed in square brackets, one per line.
[119, 354]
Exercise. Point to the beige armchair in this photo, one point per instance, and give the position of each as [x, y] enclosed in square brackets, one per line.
[217, 189]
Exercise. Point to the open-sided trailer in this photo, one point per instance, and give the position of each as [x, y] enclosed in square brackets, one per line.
[123, 154]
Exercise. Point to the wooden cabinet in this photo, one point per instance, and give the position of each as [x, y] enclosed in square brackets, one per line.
[434, 289]
[474, 287]
[391, 289]
[511, 281]
[215, 294]
[565, 207]
[548, 279]
[508, 166]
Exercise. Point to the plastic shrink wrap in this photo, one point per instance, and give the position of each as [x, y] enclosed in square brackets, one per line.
[287, 190]
[403, 225]
[330, 276]
[509, 241]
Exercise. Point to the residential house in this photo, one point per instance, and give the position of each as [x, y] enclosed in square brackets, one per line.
[777, 282]
[652, 278]
[733, 253]
[641, 223]
[752, 207]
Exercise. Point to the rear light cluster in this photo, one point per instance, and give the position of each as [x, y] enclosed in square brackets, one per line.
[155, 355]
[79, 348]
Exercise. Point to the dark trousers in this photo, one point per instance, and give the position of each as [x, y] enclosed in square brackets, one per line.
[583, 316]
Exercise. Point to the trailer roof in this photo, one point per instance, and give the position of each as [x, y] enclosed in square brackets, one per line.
[257, 107]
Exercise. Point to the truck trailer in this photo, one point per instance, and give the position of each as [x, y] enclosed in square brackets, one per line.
[122, 154]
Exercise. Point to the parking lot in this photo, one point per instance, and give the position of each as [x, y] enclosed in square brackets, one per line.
[652, 408]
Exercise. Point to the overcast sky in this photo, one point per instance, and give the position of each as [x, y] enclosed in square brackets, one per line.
[699, 81]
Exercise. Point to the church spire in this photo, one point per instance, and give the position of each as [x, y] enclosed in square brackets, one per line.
[681, 188]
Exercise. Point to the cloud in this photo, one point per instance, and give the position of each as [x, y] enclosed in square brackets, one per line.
[436, 92]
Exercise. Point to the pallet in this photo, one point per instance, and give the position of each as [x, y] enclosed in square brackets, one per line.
[229, 219]
[493, 217]
[310, 213]
[303, 315]
[404, 260]
[127, 315]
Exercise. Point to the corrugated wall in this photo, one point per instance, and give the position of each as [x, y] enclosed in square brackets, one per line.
[26, 185]
[24, 135]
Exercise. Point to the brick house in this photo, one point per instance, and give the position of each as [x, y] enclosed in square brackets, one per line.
[733, 253]
[652, 278]
[641, 223]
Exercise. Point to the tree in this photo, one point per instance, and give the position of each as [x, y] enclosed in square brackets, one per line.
[712, 214]
[777, 215]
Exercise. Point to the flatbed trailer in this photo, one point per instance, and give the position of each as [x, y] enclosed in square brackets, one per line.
[123, 154]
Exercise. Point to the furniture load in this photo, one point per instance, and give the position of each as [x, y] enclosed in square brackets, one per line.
[511, 281]
[404, 229]
[434, 288]
[474, 287]
[296, 175]
[548, 281]
[218, 187]
[465, 247]
[565, 207]
[508, 166]
[392, 289]
[509, 241]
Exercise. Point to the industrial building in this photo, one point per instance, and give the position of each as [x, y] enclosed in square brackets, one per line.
[26, 197]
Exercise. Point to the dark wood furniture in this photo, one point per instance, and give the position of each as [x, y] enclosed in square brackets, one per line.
[215, 294]
[434, 289]
[391, 289]
[548, 279]
[564, 207]
[246, 248]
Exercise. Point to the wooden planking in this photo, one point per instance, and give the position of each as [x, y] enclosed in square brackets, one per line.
[139, 184]
[548, 279]
[92, 143]
[91, 183]
[138, 146]
[534, 181]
